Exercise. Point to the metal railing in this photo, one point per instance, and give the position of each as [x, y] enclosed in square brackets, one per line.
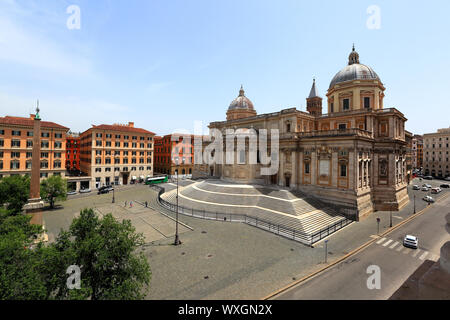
[279, 229]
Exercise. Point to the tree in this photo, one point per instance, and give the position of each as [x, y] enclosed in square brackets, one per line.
[105, 251]
[19, 279]
[14, 192]
[53, 189]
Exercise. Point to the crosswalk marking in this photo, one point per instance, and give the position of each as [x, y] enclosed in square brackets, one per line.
[399, 248]
[393, 246]
[381, 240]
[416, 253]
[407, 250]
[387, 243]
[433, 257]
[422, 257]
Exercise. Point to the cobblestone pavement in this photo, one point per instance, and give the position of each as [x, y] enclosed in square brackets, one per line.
[222, 260]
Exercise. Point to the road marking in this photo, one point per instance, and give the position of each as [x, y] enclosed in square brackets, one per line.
[433, 257]
[401, 218]
[387, 242]
[393, 246]
[407, 250]
[374, 236]
[381, 240]
[416, 253]
[399, 248]
[422, 257]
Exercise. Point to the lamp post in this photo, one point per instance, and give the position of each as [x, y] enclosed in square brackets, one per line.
[390, 219]
[177, 239]
[114, 180]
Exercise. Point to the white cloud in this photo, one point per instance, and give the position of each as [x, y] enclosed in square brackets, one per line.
[156, 87]
[22, 44]
[75, 113]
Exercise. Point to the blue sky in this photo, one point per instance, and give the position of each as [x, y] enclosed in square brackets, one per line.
[165, 64]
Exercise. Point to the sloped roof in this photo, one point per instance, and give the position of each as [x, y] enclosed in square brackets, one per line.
[27, 122]
[121, 128]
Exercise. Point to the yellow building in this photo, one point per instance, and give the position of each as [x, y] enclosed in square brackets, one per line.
[116, 154]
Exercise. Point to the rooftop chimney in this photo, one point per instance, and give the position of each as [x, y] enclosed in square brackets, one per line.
[131, 124]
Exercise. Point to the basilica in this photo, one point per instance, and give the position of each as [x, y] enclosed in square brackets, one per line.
[353, 153]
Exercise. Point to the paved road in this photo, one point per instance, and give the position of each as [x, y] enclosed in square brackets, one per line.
[348, 279]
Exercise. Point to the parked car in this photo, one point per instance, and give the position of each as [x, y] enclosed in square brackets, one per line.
[411, 242]
[428, 178]
[85, 190]
[104, 189]
[427, 185]
[416, 187]
[425, 188]
[448, 178]
[436, 190]
[428, 199]
[71, 193]
[445, 185]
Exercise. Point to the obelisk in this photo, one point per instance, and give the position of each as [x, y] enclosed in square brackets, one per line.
[35, 203]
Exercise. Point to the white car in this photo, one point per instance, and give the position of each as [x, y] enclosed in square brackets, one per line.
[436, 190]
[428, 199]
[416, 187]
[427, 185]
[411, 242]
[448, 178]
[425, 189]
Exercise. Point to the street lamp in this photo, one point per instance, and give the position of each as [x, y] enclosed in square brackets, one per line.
[177, 239]
[114, 180]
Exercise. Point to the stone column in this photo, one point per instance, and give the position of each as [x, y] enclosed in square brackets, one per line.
[294, 169]
[35, 204]
[281, 171]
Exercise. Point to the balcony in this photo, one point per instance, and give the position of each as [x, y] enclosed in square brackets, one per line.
[328, 133]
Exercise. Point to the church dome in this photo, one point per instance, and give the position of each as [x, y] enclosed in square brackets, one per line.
[354, 71]
[241, 102]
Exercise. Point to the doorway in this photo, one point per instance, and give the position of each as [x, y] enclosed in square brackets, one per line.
[288, 181]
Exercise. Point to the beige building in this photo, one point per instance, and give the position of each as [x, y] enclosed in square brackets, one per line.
[116, 154]
[436, 153]
[353, 155]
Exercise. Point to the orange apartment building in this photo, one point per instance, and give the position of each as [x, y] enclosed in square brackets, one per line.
[117, 154]
[16, 146]
[171, 156]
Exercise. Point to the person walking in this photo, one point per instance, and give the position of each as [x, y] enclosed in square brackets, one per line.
[131, 204]
[146, 204]
[125, 204]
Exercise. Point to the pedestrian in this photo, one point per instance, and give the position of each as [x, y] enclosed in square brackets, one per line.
[125, 204]
[146, 204]
[131, 204]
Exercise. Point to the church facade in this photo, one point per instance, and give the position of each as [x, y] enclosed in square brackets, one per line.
[353, 153]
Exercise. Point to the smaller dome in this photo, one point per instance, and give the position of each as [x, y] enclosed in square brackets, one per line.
[241, 102]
